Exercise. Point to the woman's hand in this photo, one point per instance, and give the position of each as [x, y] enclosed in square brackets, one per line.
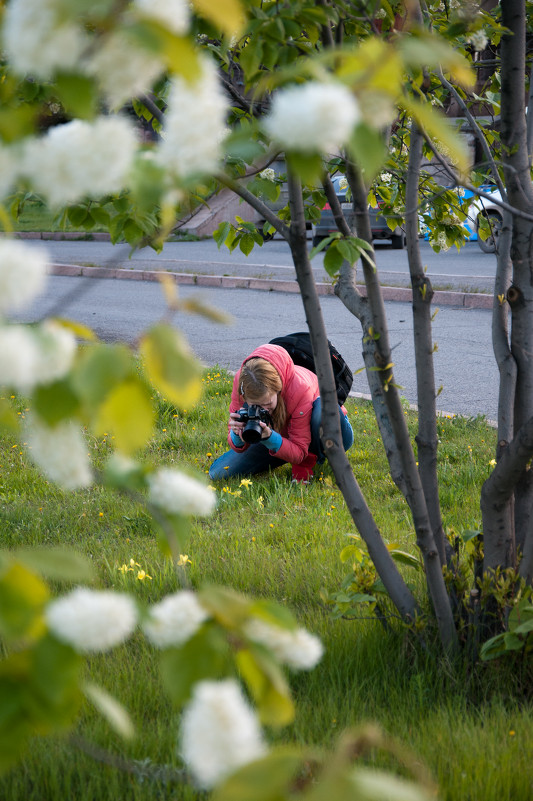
[235, 424]
[266, 432]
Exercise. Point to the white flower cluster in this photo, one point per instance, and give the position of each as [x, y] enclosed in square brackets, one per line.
[220, 732]
[60, 452]
[81, 159]
[268, 174]
[30, 356]
[298, 649]
[180, 494]
[478, 39]
[440, 241]
[38, 37]
[22, 274]
[195, 124]
[92, 621]
[174, 620]
[312, 117]
[123, 69]
[173, 14]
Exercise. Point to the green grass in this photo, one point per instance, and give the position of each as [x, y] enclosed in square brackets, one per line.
[471, 725]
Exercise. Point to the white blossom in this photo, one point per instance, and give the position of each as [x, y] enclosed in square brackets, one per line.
[296, 648]
[60, 452]
[92, 621]
[220, 732]
[178, 493]
[34, 355]
[56, 347]
[478, 39]
[81, 159]
[124, 69]
[18, 357]
[194, 124]
[38, 38]
[174, 619]
[22, 274]
[173, 14]
[268, 174]
[312, 117]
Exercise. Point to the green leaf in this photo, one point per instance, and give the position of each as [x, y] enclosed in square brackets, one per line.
[115, 714]
[54, 679]
[8, 418]
[99, 369]
[351, 552]
[440, 130]
[246, 244]
[128, 413]
[225, 15]
[171, 366]
[308, 166]
[58, 564]
[77, 215]
[361, 598]
[23, 596]
[55, 402]
[405, 558]
[266, 684]
[493, 648]
[512, 641]
[367, 148]
[274, 613]
[220, 234]
[376, 785]
[227, 606]
[267, 779]
[205, 656]
[77, 94]
[333, 259]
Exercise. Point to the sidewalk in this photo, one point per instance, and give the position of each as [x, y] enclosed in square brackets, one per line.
[209, 274]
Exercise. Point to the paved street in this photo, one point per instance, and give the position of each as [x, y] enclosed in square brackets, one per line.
[464, 362]
[465, 270]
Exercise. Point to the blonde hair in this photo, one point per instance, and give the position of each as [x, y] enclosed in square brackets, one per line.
[259, 378]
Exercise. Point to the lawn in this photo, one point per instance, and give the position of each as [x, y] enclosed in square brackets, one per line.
[470, 725]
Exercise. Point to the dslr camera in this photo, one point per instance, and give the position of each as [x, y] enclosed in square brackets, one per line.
[251, 415]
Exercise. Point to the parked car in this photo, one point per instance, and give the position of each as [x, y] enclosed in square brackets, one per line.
[489, 209]
[380, 230]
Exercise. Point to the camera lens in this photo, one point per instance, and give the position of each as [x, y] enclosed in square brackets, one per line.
[251, 432]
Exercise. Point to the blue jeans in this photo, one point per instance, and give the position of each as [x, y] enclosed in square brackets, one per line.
[257, 459]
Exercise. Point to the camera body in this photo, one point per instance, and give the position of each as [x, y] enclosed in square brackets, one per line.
[252, 415]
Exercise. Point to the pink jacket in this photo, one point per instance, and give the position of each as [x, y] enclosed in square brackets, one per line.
[299, 390]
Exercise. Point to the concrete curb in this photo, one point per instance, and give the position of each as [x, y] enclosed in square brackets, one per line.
[465, 300]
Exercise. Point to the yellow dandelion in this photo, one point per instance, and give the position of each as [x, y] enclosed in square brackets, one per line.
[245, 482]
[492, 463]
[184, 560]
[142, 575]
[260, 501]
[123, 568]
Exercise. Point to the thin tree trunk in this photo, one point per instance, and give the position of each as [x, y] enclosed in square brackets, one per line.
[427, 438]
[498, 514]
[331, 433]
[377, 336]
[520, 194]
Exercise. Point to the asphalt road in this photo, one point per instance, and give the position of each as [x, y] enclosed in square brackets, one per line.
[464, 363]
[467, 270]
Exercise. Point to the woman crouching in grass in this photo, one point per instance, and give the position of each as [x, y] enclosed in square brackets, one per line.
[270, 382]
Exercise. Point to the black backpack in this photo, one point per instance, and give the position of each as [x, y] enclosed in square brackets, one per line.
[299, 347]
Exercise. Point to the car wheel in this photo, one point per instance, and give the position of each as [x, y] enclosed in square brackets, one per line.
[490, 245]
[398, 241]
